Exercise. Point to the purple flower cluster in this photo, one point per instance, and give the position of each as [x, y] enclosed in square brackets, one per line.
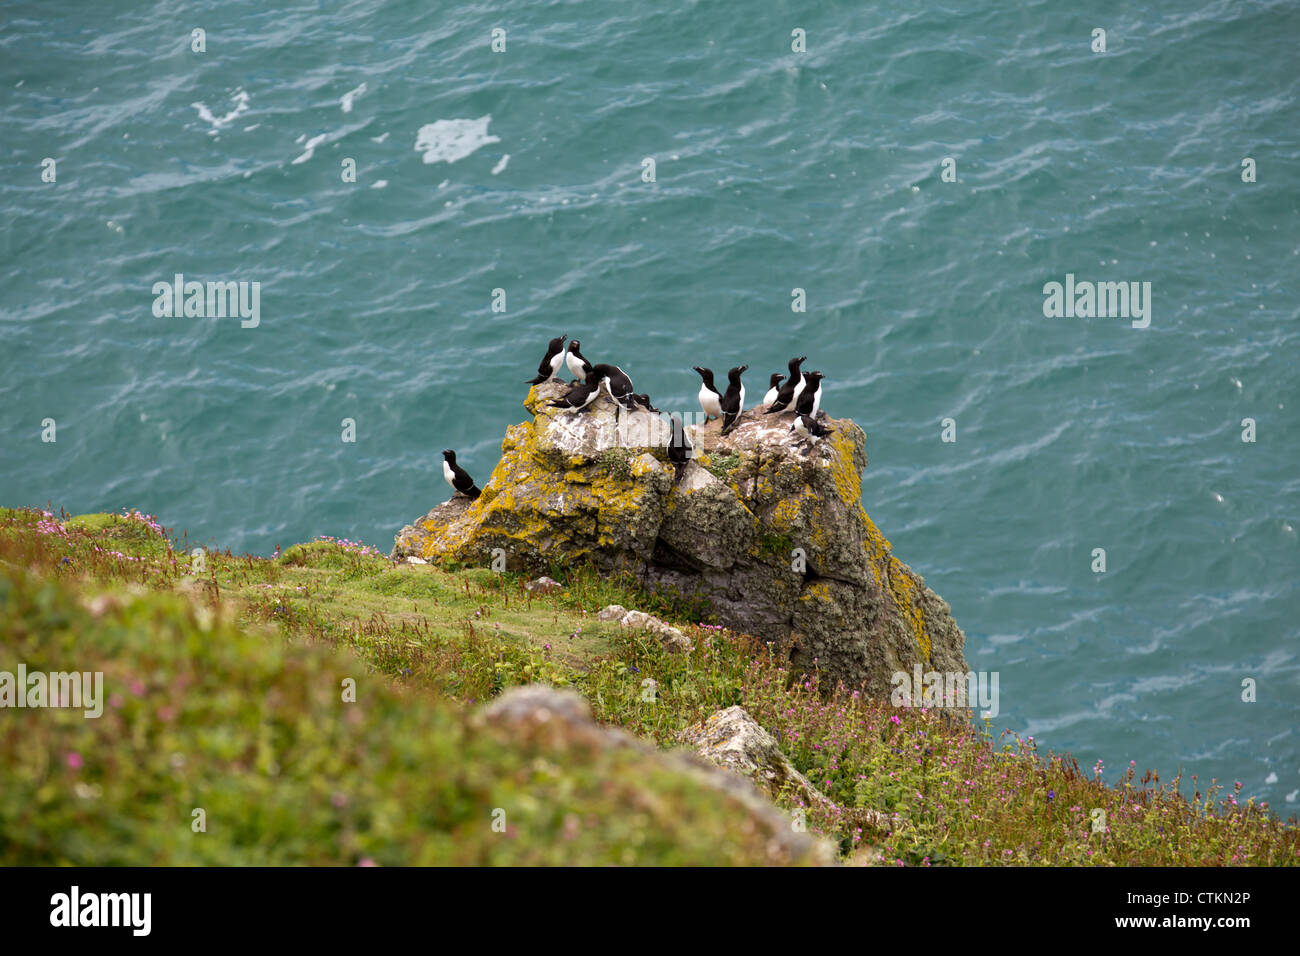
[356, 547]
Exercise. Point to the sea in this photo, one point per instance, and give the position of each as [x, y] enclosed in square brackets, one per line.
[416, 196]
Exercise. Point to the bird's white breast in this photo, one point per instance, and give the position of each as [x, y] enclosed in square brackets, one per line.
[448, 474]
[770, 397]
[709, 401]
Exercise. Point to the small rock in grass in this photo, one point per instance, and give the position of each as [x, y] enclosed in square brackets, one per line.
[613, 612]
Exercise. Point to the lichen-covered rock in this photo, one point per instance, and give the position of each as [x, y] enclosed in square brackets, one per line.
[771, 533]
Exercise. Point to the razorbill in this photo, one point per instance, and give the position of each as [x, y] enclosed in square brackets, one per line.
[710, 400]
[458, 477]
[774, 386]
[733, 403]
[809, 429]
[579, 367]
[579, 396]
[643, 401]
[617, 384]
[799, 387]
[679, 447]
[550, 362]
[811, 399]
[794, 384]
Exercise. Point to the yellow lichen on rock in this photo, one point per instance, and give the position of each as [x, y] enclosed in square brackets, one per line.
[765, 530]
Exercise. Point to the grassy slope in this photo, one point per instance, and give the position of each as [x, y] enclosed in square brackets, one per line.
[240, 715]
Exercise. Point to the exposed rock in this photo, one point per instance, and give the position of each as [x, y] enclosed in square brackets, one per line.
[737, 742]
[669, 636]
[543, 585]
[561, 719]
[770, 532]
[734, 740]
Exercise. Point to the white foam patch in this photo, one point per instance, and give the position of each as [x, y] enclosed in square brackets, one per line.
[310, 149]
[379, 184]
[349, 96]
[500, 167]
[379, 139]
[446, 141]
[239, 98]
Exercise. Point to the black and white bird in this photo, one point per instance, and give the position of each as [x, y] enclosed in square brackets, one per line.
[710, 398]
[733, 403]
[643, 401]
[615, 381]
[458, 477]
[799, 390]
[579, 396]
[811, 399]
[679, 447]
[578, 365]
[550, 364]
[794, 384]
[809, 429]
[773, 387]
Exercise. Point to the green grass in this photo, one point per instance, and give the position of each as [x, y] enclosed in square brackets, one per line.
[721, 466]
[429, 646]
[215, 721]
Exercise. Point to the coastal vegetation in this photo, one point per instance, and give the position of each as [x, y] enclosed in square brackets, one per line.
[226, 675]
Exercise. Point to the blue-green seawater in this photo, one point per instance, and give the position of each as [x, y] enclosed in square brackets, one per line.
[775, 170]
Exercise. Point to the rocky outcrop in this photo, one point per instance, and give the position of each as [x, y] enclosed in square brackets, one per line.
[770, 532]
[734, 740]
[562, 719]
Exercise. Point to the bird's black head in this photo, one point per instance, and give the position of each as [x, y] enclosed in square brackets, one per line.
[574, 345]
[557, 343]
[450, 455]
[796, 362]
[814, 377]
[705, 373]
[776, 380]
[733, 375]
